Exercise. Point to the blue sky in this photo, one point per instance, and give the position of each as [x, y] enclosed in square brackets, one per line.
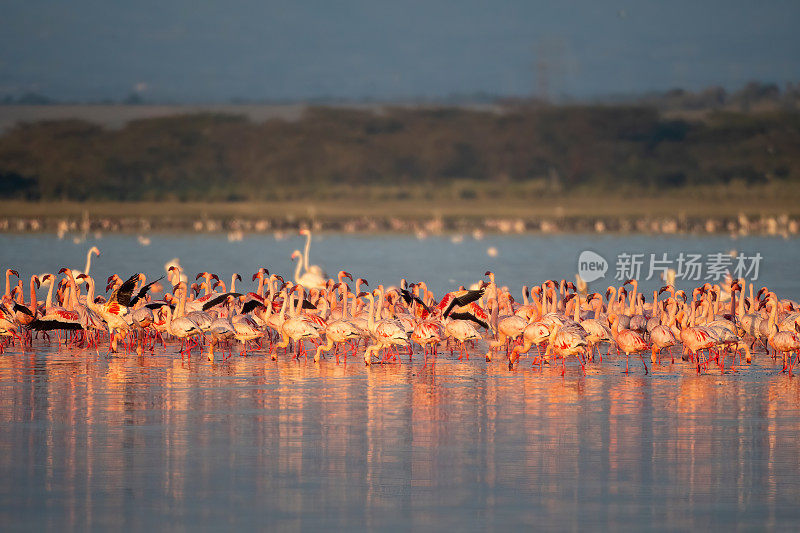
[192, 51]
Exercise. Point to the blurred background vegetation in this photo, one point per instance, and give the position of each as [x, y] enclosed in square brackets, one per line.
[513, 149]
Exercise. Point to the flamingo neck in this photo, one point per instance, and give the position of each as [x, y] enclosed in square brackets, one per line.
[344, 302]
[182, 302]
[300, 297]
[371, 319]
[297, 268]
[306, 250]
[33, 295]
[49, 299]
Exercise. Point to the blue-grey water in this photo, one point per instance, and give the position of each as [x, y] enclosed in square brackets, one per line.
[159, 442]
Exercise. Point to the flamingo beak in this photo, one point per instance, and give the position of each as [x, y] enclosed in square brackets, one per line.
[14, 272]
[200, 275]
[63, 269]
[348, 276]
[255, 276]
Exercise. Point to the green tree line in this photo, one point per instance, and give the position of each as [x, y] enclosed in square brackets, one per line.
[333, 151]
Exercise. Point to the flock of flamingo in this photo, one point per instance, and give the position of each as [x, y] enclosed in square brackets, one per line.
[713, 324]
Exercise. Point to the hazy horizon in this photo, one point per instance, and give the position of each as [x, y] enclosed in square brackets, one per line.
[183, 51]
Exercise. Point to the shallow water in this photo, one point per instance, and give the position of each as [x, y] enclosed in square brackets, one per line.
[156, 441]
[440, 262]
[90, 441]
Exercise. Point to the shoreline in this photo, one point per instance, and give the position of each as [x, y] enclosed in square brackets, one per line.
[420, 218]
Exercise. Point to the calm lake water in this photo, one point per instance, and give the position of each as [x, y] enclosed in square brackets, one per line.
[90, 441]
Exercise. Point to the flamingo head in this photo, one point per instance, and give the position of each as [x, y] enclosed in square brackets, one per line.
[363, 281]
[12, 272]
[198, 276]
[295, 255]
[36, 281]
[628, 281]
[65, 269]
[239, 277]
[94, 250]
[347, 275]
[304, 231]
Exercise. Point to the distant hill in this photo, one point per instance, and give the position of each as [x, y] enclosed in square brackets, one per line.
[519, 148]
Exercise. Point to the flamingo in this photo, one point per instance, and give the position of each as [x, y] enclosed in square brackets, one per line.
[75, 272]
[221, 330]
[314, 269]
[115, 314]
[661, 336]
[462, 331]
[785, 342]
[695, 339]
[628, 341]
[308, 279]
[596, 328]
[425, 333]
[180, 327]
[386, 333]
[297, 328]
[565, 341]
[55, 317]
[341, 330]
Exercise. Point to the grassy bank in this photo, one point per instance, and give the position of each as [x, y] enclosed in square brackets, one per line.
[695, 202]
